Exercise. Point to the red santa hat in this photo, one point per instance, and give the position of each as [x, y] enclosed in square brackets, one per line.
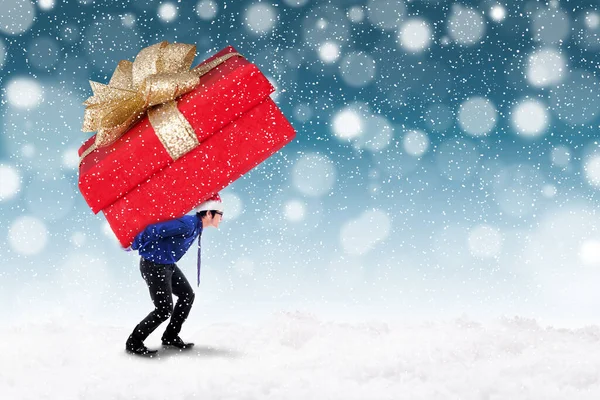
[213, 203]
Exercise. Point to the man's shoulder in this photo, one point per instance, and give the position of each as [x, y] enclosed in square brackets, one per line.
[188, 218]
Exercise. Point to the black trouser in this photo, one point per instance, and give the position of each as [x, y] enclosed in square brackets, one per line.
[164, 281]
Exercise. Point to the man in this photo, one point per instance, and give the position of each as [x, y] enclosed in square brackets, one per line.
[160, 246]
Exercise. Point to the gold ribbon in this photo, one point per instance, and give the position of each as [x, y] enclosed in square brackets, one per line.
[150, 84]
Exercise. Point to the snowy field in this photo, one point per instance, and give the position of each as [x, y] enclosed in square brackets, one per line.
[296, 355]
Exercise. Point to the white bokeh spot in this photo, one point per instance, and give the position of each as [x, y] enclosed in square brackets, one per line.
[358, 69]
[477, 116]
[546, 67]
[24, 93]
[550, 25]
[466, 26]
[260, 18]
[167, 12]
[17, 16]
[498, 13]
[561, 156]
[207, 9]
[530, 118]
[386, 14]
[377, 134]
[128, 20]
[549, 191]
[329, 52]
[314, 174]
[70, 159]
[415, 143]
[10, 182]
[356, 14]
[415, 35]
[591, 169]
[233, 206]
[108, 232]
[347, 124]
[27, 235]
[589, 252]
[294, 210]
[303, 112]
[46, 4]
[592, 20]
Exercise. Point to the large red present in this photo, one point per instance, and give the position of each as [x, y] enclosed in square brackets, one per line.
[224, 93]
[218, 161]
[166, 143]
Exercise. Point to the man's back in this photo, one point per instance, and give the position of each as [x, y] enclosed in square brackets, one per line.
[166, 242]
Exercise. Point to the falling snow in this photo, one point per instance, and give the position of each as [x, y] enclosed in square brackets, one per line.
[446, 162]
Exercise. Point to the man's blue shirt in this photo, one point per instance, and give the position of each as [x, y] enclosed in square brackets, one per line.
[166, 242]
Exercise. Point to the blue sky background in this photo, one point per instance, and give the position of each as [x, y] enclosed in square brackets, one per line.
[446, 158]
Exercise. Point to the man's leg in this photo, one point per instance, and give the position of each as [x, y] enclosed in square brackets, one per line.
[158, 278]
[185, 298]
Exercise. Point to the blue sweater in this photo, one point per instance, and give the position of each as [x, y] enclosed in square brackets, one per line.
[166, 242]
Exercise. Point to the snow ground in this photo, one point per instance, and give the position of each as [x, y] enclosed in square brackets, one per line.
[296, 355]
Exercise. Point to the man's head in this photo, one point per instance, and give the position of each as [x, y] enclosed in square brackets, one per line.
[211, 211]
[210, 218]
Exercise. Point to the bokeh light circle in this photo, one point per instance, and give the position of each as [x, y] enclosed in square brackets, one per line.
[591, 170]
[465, 25]
[207, 9]
[386, 14]
[550, 26]
[17, 16]
[357, 69]
[416, 143]
[43, 52]
[415, 35]
[24, 93]
[546, 67]
[347, 123]
[314, 175]
[530, 118]
[477, 116]
[27, 235]
[577, 99]
[561, 156]
[11, 182]
[233, 206]
[260, 18]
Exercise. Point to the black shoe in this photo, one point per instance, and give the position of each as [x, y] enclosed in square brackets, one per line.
[176, 342]
[138, 348]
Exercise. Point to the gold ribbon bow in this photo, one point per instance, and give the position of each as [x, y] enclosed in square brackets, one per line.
[159, 74]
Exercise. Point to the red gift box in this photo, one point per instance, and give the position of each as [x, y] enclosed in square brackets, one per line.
[215, 163]
[224, 94]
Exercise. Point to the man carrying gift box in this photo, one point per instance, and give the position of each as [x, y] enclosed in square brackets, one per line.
[160, 246]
